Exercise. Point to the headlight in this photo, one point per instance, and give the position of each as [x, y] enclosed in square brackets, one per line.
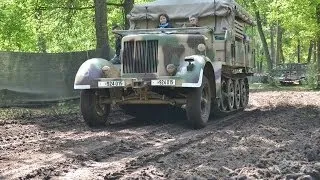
[201, 47]
[106, 69]
[171, 69]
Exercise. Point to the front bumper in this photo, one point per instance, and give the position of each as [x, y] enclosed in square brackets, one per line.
[142, 95]
[165, 81]
[145, 97]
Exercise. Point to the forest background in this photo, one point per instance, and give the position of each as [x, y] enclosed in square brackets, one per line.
[286, 31]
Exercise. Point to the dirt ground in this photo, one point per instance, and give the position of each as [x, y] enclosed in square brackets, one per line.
[276, 137]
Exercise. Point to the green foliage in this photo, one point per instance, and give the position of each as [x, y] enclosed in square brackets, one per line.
[68, 25]
[15, 30]
[53, 26]
[273, 81]
[312, 78]
[296, 17]
[116, 16]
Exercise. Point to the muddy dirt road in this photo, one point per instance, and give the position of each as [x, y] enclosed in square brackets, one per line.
[276, 137]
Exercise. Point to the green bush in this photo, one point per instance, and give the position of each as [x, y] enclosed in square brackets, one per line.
[273, 80]
[311, 75]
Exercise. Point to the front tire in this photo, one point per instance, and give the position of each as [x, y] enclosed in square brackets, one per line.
[199, 105]
[93, 111]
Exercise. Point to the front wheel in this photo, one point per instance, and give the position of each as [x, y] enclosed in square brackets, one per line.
[199, 104]
[94, 112]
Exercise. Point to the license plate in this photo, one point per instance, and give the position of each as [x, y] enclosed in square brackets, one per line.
[163, 82]
[111, 84]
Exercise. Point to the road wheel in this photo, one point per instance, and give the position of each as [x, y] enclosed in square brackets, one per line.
[231, 94]
[224, 96]
[244, 93]
[93, 111]
[199, 105]
[237, 94]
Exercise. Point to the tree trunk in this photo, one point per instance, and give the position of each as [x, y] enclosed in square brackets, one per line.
[260, 67]
[254, 59]
[318, 58]
[310, 52]
[318, 43]
[299, 50]
[282, 56]
[100, 7]
[272, 46]
[315, 52]
[279, 44]
[42, 43]
[262, 36]
[127, 6]
[259, 60]
[264, 41]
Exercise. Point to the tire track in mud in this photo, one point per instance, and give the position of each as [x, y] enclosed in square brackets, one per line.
[26, 137]
[97, 153]
[14, 141]
[177, 138]
[183, 139]
[37, 135]
[40, 168]
[165, 132]
[172, 136]
[164, 149]
[115, 148]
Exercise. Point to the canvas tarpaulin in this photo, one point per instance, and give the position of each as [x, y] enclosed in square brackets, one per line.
[39, 77]
[186, 8]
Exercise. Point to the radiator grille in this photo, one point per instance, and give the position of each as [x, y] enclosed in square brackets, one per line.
[140, 56]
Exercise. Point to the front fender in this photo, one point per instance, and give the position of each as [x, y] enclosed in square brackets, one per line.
[89, 71]
[192, 78]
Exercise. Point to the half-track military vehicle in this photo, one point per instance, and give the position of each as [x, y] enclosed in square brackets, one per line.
[202, 69]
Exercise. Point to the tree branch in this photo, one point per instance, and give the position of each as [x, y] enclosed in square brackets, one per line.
[76, 8]
[67, 8]
[115, 4]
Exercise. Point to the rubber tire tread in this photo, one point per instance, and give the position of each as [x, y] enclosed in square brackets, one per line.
[193, 109]
[88, 107]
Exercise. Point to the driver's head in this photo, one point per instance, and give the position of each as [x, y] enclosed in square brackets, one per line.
[163, 18]
[193, 20]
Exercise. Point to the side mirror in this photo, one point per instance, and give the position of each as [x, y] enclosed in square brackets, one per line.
[190, 65]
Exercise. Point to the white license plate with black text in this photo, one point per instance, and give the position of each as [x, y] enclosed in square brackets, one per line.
[111, 84]
[163, 82]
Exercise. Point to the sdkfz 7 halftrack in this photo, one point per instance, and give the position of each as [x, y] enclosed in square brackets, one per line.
[200, 69]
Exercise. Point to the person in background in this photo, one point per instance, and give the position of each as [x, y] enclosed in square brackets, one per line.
[164, 21]
[116, 58]
[193, 20]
